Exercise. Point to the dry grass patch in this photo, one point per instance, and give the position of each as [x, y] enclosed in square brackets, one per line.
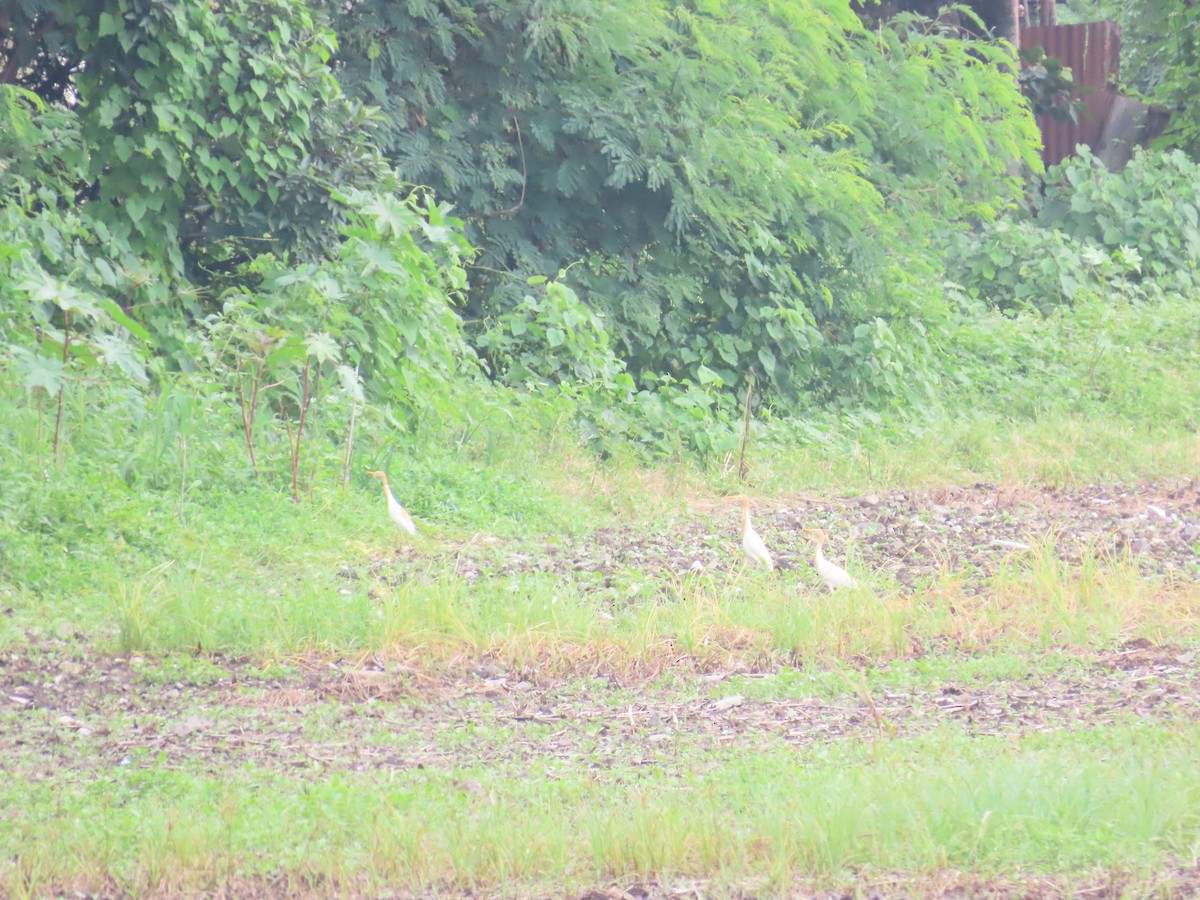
[557, 627]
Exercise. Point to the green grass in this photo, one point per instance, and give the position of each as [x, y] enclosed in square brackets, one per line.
[165, 547]
[225, 599]
[967, 446]
[927, 673]
[1119, 797]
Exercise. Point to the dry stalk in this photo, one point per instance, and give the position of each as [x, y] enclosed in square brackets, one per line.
[745, 425]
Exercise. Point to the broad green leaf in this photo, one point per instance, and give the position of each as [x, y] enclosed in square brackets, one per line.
[108, 24]
[38, 372]
[323, 347]
[767, 358]
[119, 316]
[114, 352]
[135, 207]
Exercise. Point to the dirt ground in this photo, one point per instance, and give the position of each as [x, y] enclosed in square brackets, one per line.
[68, 707]
[907, 535]
[89, 714]
[1179, 883]
[93, 711]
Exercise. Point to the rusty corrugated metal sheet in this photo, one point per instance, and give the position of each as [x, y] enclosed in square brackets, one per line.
[1093, 52]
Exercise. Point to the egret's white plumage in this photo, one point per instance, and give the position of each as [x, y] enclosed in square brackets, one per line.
[396, 512]
[751, 542]
[832, 574]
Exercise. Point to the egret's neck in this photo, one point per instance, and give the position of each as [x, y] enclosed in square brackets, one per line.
[745, 519]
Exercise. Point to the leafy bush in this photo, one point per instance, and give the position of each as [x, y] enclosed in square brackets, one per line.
[1017, 264]
[212, 127]
[387, 296]
[554, 346]
[1152, 206]
[551, 336]
[1132, 234]
[740, 181]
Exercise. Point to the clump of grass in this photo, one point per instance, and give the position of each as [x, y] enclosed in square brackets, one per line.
[181, 669]
[562, 626]
[1038, 600]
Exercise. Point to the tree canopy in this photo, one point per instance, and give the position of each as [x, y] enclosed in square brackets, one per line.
[212, 132]
[740, 182]
[724, 187]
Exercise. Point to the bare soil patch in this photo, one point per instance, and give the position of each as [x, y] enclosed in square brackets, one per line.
[911, 535]
[91, 712]
[1179, 882]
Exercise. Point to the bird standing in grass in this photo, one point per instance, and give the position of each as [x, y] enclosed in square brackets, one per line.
[396, 512]
[751, 542]
[834, 575]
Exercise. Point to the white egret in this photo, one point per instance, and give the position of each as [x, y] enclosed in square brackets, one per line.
[751, 542]
[396, 512]
[834, 575]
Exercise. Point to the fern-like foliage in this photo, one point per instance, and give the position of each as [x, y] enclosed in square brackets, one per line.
[742, 182]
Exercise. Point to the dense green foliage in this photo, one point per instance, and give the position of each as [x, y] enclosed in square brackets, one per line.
[662, 199]
[211, 131]
[744, 185]
[1133, 234]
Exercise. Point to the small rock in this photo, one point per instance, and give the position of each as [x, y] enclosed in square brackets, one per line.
[1009, 545]
[871, 500]
[728, 703]
[191, 725]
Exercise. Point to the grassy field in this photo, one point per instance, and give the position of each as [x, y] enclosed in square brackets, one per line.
[571, 683]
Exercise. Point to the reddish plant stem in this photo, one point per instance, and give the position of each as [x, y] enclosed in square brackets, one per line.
[63, 386]
[248, 415]
[304, 398]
